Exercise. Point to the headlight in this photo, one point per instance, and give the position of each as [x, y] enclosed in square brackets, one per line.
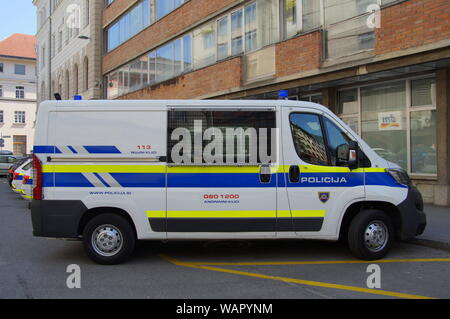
[400, 176]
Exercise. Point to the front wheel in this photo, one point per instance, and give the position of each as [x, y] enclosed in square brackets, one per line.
[371, 234]
[109, 239]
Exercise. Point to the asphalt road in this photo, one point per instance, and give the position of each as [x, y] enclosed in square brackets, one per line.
[36, 268]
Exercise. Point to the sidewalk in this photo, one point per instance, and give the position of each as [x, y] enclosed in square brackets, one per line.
[437, 232]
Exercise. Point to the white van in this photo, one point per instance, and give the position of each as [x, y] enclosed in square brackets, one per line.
[113, 172]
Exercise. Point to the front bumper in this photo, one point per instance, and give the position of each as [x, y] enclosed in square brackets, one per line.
[412, 217]
[56, 218]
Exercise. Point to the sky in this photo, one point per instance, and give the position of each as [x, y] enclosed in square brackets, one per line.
[17, 16]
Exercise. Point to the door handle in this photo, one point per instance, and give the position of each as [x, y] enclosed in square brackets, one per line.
[265, 174]
[294, 174]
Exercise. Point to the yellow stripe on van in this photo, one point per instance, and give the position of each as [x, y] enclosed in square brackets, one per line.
[89, 168]
[238, 214]
[213, 169]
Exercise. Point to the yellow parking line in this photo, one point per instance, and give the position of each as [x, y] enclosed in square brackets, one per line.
[296, 281]
[328, 262]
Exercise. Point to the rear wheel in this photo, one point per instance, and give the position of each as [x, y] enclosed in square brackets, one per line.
[371, 234]
[109, 239]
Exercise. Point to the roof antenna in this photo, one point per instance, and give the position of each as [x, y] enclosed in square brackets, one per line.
[57, 97]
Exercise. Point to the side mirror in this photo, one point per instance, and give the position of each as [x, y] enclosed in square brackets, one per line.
[342, 155]
[353, 155]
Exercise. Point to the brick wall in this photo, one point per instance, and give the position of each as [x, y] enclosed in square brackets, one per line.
[191, 12]
[298, 54]
[213, 79]
[116, 8]
[411, 24]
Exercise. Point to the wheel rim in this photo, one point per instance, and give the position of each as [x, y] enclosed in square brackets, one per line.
[107, 240]
[376, 236]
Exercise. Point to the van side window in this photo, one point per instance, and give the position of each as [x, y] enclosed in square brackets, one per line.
[221, 137]
[308, 138]
[335, 138]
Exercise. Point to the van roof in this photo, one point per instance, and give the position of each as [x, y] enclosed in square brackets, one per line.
[183, 103]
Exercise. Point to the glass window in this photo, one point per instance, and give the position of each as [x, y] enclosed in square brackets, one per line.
[177, 57]
[222, 38]
[236, 33]
[163, 7]
[423, 142]
[164, 62]
[250, 27]
[135, 75]
[340, 10]
[1, 91]
[152, 67]
[144, 69]
[336, 137]
[243, 136]
[123, 76]
[136, 19]
[267, 22]
[383, 126]
[187, 52]
[290, 17]
[19, 69]
[124, 28]
[20, 92]
[146, 13]
[178, 3]
[113, 36]
[113, 86]
[19, 117]
[348, 108]
[204, 46]
[1, 117]
[348, 102]
[423, 92]
[1, 67]
[20, 144]
[311, 14]
[308, 138]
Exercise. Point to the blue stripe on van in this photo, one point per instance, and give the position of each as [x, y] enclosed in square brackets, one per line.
[102, 150]
[72, 149]
[46, 149]
[65, 180]
[140, 179]
[101, 180]
[217, 180]
[222, 180]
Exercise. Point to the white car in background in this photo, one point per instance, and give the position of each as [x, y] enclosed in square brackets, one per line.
[24, 169]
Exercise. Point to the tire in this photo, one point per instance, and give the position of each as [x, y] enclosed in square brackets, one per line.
[115, 233]
[365, 235]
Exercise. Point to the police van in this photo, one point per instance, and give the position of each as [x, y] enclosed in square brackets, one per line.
[110, 173]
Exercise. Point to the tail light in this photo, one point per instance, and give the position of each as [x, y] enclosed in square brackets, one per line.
[25, 180]
[37, 178]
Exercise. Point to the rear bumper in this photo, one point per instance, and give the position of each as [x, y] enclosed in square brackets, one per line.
[56, 218]
[413, 219]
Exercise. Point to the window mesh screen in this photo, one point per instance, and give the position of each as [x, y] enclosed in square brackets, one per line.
[247, 137]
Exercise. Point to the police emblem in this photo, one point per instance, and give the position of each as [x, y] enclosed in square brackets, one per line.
[324, 196]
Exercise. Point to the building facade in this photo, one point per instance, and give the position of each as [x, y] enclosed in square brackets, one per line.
[382, 65]
[17, 93]
[69, 42]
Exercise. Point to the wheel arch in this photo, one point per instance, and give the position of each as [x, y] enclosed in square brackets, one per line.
[355, 208]
[93, 212]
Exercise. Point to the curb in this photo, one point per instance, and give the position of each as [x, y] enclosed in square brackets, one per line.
[429, 243]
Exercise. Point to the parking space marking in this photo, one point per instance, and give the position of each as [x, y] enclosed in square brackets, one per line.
[297, 281]
[329, 262]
